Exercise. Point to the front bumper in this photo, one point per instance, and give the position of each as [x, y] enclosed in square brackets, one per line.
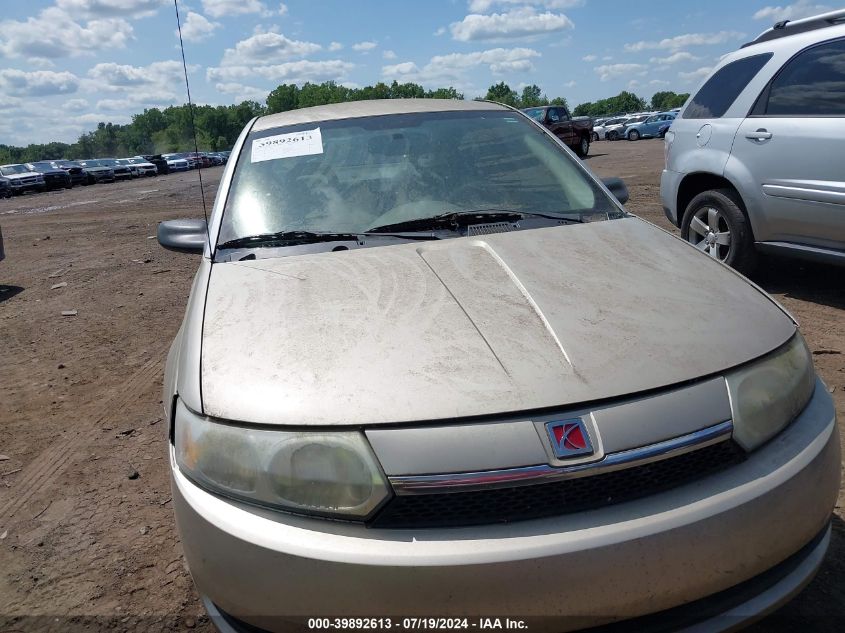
[621, 561]
[669, 183]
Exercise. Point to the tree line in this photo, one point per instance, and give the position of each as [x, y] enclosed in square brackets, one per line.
[156, 131]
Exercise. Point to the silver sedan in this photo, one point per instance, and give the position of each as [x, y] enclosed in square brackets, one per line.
[431, 367]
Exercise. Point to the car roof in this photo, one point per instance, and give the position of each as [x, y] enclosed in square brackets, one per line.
[376, 107]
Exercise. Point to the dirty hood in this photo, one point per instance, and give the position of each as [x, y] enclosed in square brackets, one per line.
[464, 327]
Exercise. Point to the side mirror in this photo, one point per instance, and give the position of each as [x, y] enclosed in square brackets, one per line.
[183, 236]
[617, 188]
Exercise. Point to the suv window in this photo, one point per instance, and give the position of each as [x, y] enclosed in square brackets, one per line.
[811, 83]
[554, 115]
[723, 87]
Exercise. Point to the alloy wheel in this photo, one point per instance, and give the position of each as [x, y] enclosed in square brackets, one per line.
[710, 232]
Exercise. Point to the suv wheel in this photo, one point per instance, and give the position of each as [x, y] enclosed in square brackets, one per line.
[715, 224]
[595, 136]
[633, 135]
[583, 146]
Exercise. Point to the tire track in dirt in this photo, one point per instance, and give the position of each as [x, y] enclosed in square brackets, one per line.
[52, 461]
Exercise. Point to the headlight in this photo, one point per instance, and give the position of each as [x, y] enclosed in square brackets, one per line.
[768, 394]
[330, 473]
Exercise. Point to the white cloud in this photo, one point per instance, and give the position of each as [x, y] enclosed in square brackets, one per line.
[658, 82]
[53, 34]
[197, 27]
[482, 6]
[9, 103]
[335, 46]
[589, 58]
[364, 46]
[221, 8]
[607, 58]
[452, 67]
[695, 75]
[283, 9]
[570, 84]
[111, 76]
[240, 92]
[39, 83]
[266, 49]
[674, 58]
[519, 23]
[794, 11]
[388, 55]
[687, 39]
[92, 9]
[291, 72]
[607, 72]
[75, 105]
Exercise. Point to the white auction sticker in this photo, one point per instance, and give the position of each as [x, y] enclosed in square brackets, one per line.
[304, 143]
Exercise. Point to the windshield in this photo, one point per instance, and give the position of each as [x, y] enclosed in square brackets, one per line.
[91, 163]
[355, 174]
[535, 113]
[108, 162]
[8, 170]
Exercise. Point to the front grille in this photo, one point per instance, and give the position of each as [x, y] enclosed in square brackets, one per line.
[505, 505]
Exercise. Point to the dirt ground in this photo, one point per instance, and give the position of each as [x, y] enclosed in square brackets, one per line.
[87, 538]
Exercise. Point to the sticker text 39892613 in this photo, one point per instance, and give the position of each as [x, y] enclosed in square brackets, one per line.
[305, 143]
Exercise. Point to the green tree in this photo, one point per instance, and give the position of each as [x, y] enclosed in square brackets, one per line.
[666, 100]
[502, 93]
[444, 93]
[622, 103]
[283, 98]
[559, 101]
[532, 96]
[217, 127]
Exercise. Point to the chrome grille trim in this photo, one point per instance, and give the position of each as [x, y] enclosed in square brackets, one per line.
[543, 473]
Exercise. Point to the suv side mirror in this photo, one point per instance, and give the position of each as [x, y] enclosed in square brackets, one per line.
[617, 188]
[183, 236]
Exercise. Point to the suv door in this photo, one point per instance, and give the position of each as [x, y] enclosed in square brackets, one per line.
[702, 136]
[792, 146]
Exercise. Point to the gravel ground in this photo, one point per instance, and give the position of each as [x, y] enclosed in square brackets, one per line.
[87, 539]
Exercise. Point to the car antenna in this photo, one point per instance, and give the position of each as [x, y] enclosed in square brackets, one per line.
[193, 125]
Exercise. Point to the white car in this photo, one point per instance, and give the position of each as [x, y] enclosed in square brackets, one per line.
[142, 166]
[22, 179]
[600, 131]
[176, 163]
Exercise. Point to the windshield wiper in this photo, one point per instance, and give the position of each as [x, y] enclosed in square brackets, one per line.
[297, 238]
[288, 238]
[455, 219]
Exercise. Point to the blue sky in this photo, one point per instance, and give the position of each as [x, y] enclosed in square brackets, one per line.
[67, 64]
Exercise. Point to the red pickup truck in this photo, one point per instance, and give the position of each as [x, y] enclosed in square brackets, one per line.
[575, 132]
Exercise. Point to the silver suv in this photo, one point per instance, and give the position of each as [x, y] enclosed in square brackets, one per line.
[756, 161]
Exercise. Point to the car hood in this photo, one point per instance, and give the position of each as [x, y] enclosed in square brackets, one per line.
[97, 168]
[465, 327]
[28, 174]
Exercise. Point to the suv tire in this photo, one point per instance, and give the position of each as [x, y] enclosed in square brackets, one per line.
[583, 146]
[718, 218]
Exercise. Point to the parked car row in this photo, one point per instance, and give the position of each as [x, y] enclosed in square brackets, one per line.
[47, 175]
[635, 126]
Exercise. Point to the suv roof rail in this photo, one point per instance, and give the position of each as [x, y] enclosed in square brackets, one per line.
[785, 28]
